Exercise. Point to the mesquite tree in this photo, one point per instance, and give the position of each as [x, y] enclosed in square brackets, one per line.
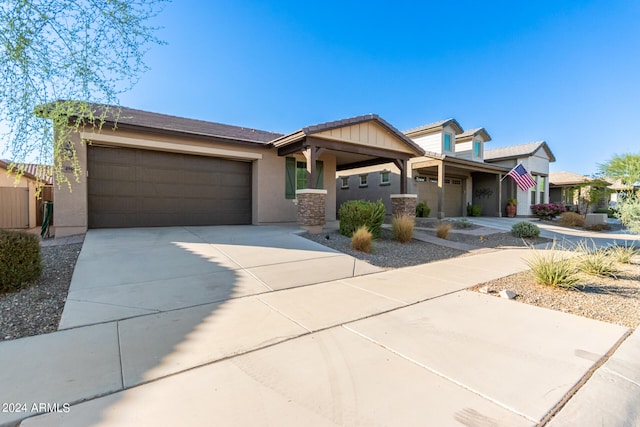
[58, 58]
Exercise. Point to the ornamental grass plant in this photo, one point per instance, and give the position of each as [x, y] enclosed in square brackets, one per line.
[362, 239]
[402, 227]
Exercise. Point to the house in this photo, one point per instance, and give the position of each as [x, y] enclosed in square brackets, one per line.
[21, 200]
[578, 192]
[160, 170]
[535, 157]
[455, 171]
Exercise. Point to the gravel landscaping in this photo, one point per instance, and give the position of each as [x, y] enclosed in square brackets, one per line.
[601, 298]
[36, 309]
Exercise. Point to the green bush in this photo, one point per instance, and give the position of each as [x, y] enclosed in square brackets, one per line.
[422, 210]
[20, 259]
[356, 213]
[629, 213]
[474, 210]
[462, 223]
[525, 229]
[553, 268]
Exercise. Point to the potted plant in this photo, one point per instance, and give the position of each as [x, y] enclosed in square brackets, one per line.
[512, 207]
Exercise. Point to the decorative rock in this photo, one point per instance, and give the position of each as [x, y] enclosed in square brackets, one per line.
[507, 294]
[484, 289]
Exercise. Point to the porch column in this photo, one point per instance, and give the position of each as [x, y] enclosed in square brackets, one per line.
[404, 204]
[311, 155]
[440, 211]
[402, 165]
[499, 178]
[311, 212]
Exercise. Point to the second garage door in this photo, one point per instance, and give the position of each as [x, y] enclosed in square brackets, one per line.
[143, 188]
[428, 192]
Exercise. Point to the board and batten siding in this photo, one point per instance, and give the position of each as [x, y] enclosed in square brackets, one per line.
[368, 134]
[14, 207]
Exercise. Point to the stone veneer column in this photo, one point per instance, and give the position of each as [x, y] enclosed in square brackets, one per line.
[311, 212]
[404, 204]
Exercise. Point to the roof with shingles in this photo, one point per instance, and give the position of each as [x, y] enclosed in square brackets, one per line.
[520, 150]
[310, 130]
[566, 178]
[436, 125]
[473, 132]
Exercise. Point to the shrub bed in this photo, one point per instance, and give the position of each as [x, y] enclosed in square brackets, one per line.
[571, 219]
[356, 213]
[20, 259]
[525, 229]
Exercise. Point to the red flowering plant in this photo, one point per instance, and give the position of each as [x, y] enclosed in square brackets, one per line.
[547, 210]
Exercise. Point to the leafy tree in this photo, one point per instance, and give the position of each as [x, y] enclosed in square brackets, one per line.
[625, 167]
[66, 55]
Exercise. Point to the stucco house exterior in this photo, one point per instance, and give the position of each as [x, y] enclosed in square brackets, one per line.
[576, 192]
[455, 171]
[160, 170]
[20, 201]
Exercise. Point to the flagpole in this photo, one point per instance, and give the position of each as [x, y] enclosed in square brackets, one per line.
[507, 174]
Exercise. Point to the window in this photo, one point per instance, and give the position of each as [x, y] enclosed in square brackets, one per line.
[541, 189]
[447, 144]
[296, 176]
[477, 149]
[344, 182]
[363, 180]
[385, 178]
[533, 190]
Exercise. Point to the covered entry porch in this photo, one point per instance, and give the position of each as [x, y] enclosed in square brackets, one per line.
[350, 143]
[448, 184]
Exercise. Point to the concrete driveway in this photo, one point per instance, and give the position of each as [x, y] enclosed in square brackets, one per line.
[257, 326]
[126, 273]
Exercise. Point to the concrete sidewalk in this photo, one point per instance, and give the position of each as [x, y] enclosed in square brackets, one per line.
[401, 347]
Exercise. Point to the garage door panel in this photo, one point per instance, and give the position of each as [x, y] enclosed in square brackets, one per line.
[428, 192]
[138, 188]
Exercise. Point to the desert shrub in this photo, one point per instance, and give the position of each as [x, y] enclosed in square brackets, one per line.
[442, 231]
[525, 229]
[609, 211]
[356, 213]
[422, 210]
[622, 254]
[629, 213]
[361, 239]
[596, 262]
[20, 259]
[553, 268]
[474, 210]
[598, 227]
[548, 210]
[462, 223]
[402, 226]
[571, 219]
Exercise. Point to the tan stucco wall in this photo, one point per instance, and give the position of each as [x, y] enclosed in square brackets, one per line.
[269, 204]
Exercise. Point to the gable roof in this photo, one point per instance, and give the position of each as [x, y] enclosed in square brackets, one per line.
[434, 126]
[322, 127]
[474, 132]
[520, 150]
[565, 178]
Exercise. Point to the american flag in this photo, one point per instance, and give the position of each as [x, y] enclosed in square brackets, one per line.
[522, 178]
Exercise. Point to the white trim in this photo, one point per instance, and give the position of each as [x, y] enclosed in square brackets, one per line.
[311, 191]
[168, 146]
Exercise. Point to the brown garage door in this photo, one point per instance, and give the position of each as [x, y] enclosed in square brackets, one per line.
[428, 192]
[143, 188]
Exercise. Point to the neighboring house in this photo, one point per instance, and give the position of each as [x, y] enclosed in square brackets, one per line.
[20, 208]
[159, 170]
[578, 192]
[535, 157]
[455, 171]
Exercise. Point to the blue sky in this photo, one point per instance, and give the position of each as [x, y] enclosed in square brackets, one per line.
[566, 72]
